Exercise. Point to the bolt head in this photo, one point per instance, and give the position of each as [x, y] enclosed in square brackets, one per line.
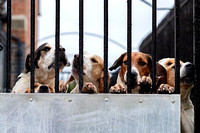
[31, 99]
[140, 101]
[70, 100]
[106, 99]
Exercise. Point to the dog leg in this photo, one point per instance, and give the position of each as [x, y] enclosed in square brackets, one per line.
[118, 88]
[145, 84]
[165, 89]
[89, 88]
[63, 87]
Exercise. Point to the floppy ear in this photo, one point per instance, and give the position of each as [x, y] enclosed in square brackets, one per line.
[118, 62]
[71, 78]
[160, 70]
[28, 63]
[162, 73]
[101, 85]
[149, 59]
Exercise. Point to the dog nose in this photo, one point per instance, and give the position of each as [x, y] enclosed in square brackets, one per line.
[190, 66]
[62, 49]
[76, 56]
[133, 74]
[43, 89]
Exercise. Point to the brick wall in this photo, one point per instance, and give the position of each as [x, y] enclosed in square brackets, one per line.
[21, 21]
[20, 43]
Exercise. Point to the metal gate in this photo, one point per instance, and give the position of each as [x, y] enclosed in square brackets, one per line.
[56, 99]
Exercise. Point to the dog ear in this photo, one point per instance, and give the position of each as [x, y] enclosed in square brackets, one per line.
[162, 73]
[71, 78]
[149, 59]
[160, 70]
[101, 84]
[118, 62]
[28, 63]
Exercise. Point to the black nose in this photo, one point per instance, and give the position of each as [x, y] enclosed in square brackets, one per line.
[133, 74]
[43, 89]
[62, 49]
[76, 56]
[190, 66]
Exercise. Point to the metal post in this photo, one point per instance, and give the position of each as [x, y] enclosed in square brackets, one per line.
[8, 48]
[57, 38]
[32, 45]
[81, 44]
[177, 45]
[153, 46]
[196, 20]
[105, 81]
[129, 41]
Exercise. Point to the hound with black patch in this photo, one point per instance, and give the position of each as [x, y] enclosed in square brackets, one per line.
[44, 69]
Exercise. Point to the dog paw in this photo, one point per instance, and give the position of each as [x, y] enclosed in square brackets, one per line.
[165, 89]
[118, 88]
[89, 88]
[145, 84]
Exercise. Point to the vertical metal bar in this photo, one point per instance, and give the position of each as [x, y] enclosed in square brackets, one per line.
[177, 45]
[153, 47]
[105, 81]
[129, 42]
[57, 38]
[32, 44]
[81, 44]
[8, 49]
[196, 41]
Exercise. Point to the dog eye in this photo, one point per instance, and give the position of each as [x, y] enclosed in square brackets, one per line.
[93, 60]
[125, 62]
[46, 49]
[169, 63]
[141, 63]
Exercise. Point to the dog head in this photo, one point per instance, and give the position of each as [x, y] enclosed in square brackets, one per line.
[186, 73]
[40, 88]
[140, 66]
[92, 69]
[45, 59]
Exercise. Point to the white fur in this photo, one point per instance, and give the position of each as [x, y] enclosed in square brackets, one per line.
[183, 69]
[49, 58]
[88, 66]
[163, 61]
